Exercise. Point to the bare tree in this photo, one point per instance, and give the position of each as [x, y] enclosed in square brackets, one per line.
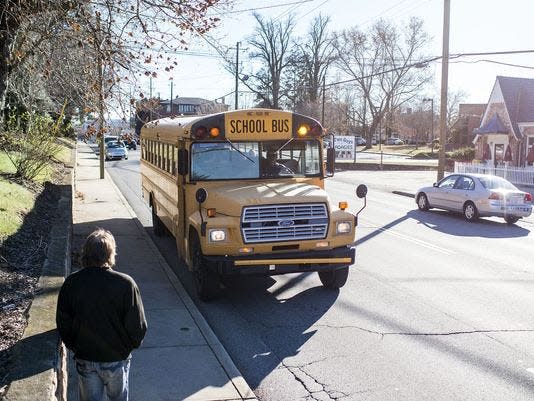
[18, 41]
[383, 65]
[270, 43]
[310, 60]
[126, 36]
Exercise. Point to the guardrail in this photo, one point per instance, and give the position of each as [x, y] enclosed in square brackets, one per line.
[516, 175]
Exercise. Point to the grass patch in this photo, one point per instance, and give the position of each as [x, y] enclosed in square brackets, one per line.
[15, 202]
[5, 164]
[63, 155]
[46, 174]
[408, 150]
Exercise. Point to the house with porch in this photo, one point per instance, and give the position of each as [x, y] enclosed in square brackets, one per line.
[506, 132]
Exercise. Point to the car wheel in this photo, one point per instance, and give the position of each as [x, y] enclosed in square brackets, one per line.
[334, 278]
[511, 219]
[207, 282]
[422, 202]
[470, 211]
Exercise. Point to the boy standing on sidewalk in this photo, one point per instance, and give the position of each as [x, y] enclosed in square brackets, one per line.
[100, 317]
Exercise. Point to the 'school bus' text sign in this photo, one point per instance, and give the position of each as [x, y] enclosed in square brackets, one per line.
[258, 125]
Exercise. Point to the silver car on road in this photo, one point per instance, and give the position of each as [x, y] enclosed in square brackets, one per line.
[476, 195]
[116, 150]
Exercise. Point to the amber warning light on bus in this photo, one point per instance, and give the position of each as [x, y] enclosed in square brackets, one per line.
[202, 132]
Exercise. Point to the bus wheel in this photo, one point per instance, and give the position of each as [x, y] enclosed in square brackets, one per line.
[334, 278]
[157, 224]
[206, 281]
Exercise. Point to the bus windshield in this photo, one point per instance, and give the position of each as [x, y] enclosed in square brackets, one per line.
[253, 160]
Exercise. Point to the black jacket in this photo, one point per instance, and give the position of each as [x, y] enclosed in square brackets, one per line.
[100, 315]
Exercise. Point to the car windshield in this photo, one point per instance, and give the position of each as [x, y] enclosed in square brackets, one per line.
[115, 144]
[496, 183]
[253, 160]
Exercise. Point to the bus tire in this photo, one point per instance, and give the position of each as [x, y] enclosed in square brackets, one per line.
[334, 278]
[207, 282]
[157, 224]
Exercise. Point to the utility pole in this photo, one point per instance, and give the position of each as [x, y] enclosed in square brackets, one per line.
[170, 104]
[431, 100]
[322, 108]
[444, 84]
[237, 76]
[101, 131]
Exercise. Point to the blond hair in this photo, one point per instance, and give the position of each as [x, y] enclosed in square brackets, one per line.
[99, 250]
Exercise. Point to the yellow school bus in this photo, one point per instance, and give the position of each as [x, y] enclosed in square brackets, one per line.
[243, 193]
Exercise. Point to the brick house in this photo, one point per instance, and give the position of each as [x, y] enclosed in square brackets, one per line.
[469, 118]
[154, 109]
[506, 132]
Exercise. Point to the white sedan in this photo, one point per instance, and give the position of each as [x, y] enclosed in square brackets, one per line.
[476, 195]
[116, 150]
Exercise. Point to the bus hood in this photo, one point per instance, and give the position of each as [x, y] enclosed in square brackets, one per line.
[230, 199]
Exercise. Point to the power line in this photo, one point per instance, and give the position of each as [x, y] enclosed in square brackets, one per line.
[423, 63]
[266, 7]
[288, 11]
[313, 9]
[494, 62]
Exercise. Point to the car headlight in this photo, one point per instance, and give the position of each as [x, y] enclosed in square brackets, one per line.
[217, 235]
[343, 227]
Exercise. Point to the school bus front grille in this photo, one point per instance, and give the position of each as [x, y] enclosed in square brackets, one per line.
[276, 223]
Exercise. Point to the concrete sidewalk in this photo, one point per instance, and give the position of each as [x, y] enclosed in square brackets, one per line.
[180, 359]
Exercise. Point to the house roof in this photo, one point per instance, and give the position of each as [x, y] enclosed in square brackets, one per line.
[518, 94]
[493, 126]
[195, 101]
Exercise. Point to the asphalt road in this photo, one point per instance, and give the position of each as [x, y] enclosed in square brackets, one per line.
[435, 308]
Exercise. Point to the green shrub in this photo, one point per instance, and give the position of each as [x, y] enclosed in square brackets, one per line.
[466, 154]
[30, 142]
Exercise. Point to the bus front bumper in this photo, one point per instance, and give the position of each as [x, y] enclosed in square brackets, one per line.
[290, 262]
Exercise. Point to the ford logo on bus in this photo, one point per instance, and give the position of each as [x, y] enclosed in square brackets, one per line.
[286, 223]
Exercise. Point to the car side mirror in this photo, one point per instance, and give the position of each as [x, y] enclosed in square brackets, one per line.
[183, 162]
[435, 184]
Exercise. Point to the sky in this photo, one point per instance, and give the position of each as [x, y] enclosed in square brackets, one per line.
[475, 26]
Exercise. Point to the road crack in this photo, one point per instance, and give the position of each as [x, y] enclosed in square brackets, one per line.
[317, 390]
[446, 333]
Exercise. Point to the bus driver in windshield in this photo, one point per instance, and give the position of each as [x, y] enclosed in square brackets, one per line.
[271, 167]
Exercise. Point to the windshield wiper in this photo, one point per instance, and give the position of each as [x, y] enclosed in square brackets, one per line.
[284, 145]
[241, 153]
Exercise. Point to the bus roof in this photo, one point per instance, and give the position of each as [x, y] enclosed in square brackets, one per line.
[173, 129]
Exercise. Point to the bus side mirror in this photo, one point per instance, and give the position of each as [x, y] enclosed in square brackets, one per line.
[361, 192]
[330, 162]
[183, 162]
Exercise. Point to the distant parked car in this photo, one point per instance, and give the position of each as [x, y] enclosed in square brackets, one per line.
[130, 144]
[476, 195]
[394, 141]
[116, 150]
[108, 138]
[360, 141]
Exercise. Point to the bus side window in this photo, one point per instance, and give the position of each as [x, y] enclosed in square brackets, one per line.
[174, 160]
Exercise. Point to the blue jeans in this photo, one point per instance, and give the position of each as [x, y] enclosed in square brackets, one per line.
[98, 378]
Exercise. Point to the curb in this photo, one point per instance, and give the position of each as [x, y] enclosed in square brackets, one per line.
[38, 359]
[409, 194]
[212, 341]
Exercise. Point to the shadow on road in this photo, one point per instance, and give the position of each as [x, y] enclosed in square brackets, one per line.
[455, 224]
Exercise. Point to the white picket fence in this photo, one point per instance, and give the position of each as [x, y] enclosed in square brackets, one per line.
[516, 175]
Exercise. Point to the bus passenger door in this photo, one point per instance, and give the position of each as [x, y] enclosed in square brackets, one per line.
[181, 178]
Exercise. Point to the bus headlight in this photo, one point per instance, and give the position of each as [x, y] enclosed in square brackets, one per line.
[343, 227]
[217, 235]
